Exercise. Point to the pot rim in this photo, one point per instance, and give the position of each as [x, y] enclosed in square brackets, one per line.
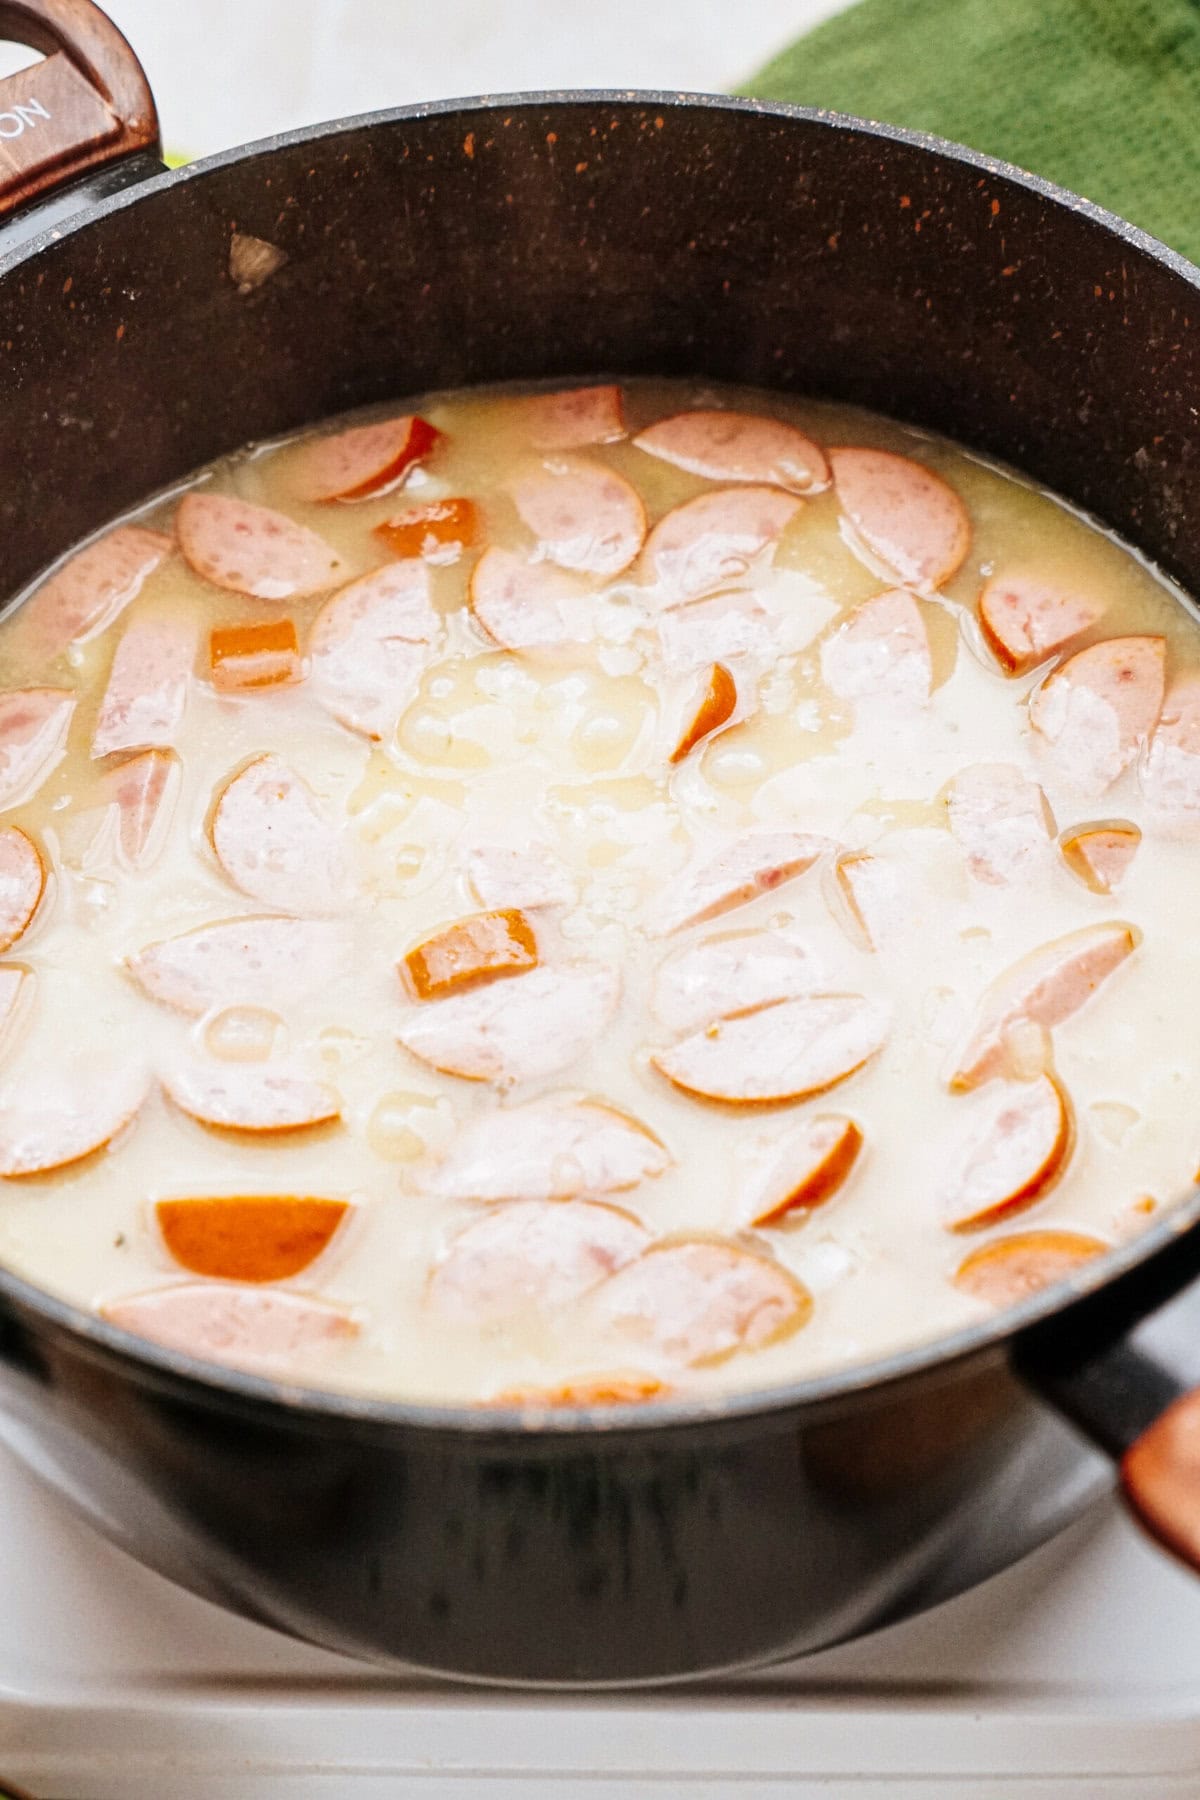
[215, 1382]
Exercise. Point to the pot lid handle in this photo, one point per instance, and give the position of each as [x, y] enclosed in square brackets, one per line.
[87, 104]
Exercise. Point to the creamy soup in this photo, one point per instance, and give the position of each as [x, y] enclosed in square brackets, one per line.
[569, 897]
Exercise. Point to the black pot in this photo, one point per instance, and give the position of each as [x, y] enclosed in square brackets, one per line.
[574, 235]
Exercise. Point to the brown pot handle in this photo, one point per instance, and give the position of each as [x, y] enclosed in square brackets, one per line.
[87, 104]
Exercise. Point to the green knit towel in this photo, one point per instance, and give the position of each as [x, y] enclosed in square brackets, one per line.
[1100, 95]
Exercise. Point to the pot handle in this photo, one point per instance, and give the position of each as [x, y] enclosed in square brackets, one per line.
[1123, 1364]
[88, 104]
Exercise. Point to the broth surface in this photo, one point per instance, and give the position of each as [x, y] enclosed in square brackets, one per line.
[905, 814]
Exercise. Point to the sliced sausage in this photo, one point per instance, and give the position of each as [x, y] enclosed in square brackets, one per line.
[262, 1101]
[552, 1149]
[369, 645]
[715, 540]
[248, 1237]
[273, 843]
[531, 1255]
[881, 654]
[1045, 988]
[729, 974]
[147, 692]
[82, 599]
[1001, 823]
[1170, 768]
[707, 710]
[145, 792]
[1099, 855]
[907, 516]
[584, 517]
[33, 733]
[471, 951]
[254, 656]
[524, 605]
[733, 446]
[618, 1389]
[696, 1301]
[783, 1051]
[271, 961]
[252, 549]
[52, 1121]
[876, 901]
[1010, 1269]
[258, 1329]
[752, 865]
[1026, 618]
[438, 532]
[501, 876]
[22, 883]
[803, 1171]
[573, 419]
[515, 1030]
[1013, 1153]
[366, 460]
[16, 993]
[1095, 712]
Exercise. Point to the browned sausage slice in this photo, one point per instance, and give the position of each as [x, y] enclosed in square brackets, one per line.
[1099, 855]
[16, 993]
[715, 540]
[733, 446]
[273, 843]
[727, 974]
[255, 1100]
[145, 791]
[147, 692]
[1013, 1153]
[1097, 710]
[1001, 822]
[584, 516]
[553, 1149]
[1045, 987]
[783, 1051]
[1026, 618]
[50, 1122]
[876, 899]
[501, 876]
[366, 460]
[369, 644]
[696, 1301]
[248, 1237]
[484, 947]
[752, 865]
[1170, 770]
[84, 597]
[1013, 1268]
[33, 732]
[881, 653]
[573, 419]
[531, 1255]
[269, 961]
[259, 1329]
[907, 516]
[707, 710]
[525, 605]
[805, 1170]
[22, 883]
[515, 1030]
[252, 549]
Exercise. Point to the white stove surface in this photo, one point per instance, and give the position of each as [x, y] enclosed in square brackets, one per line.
[1075, 1675]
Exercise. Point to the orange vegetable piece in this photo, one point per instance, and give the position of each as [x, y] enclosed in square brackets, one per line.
[471, 951]
[1012, 1268]
[248, 1237]
[439, 531]
[1100, 854]
[715, 705]
[587, 1390]
[254, 656]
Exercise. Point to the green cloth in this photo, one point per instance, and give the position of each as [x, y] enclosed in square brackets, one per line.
[1100, 95]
